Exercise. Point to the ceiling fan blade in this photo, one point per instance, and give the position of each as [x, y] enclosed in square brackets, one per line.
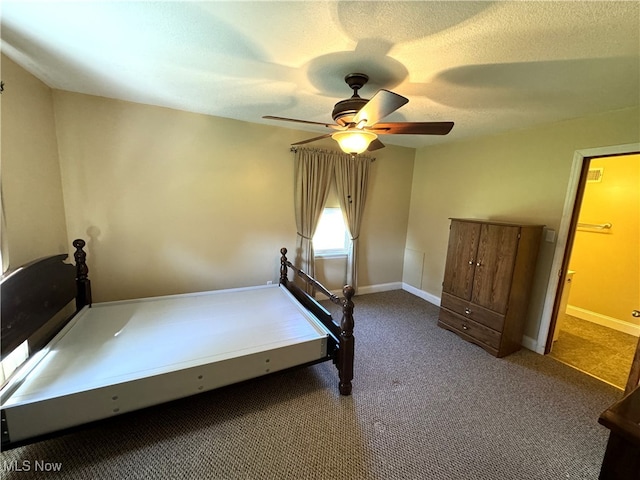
[412, 128]
[381, 104]
[312, 139]
[328, 125]
[375, 145]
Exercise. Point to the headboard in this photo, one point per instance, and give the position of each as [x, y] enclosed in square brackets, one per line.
[36, 292]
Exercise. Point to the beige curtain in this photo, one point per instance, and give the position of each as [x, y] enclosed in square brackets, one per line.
[313, 174]
[352, 178]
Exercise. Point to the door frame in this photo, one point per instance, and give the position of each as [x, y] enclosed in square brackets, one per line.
[566, 232]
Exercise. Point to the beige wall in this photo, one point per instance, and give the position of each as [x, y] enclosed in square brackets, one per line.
[607, 262]
[31, 185]
[521, 175]
[172, 201]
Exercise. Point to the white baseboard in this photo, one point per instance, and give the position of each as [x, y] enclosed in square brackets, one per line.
[422, 294]
[531, 344]
[383, 287]
[604, 320]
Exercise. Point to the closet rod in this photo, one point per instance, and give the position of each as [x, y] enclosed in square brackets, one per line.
[599, 226]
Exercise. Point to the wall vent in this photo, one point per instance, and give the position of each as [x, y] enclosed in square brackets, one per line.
[594, 175]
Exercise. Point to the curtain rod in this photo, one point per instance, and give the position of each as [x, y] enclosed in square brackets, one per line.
[295, 149]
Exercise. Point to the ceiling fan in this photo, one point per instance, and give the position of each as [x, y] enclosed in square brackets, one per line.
[357, 119]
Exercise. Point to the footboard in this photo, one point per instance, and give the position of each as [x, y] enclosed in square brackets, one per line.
[343, 355]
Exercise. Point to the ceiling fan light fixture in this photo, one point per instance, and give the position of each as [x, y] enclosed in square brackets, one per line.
[354, 141]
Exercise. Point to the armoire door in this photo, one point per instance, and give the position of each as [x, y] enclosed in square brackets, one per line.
[495, 261]
[461, 258]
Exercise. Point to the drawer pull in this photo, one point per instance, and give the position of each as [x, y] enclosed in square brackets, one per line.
[465, 327]
[467, 311]
[471, 262]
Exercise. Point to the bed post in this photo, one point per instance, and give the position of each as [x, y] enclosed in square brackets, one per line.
[344, 358]
[345, 354]
[83, 284]
[283, 267]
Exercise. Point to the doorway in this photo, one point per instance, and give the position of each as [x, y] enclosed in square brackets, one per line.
[592, 328]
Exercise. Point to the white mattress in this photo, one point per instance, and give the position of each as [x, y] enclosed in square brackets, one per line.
[121, 356]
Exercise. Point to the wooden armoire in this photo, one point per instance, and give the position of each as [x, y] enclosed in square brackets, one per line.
[487, 282]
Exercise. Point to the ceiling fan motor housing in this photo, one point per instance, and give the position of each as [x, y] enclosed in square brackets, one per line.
[345, 110]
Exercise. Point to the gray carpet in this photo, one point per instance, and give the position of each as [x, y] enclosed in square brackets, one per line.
[425, 405]
[599, 351]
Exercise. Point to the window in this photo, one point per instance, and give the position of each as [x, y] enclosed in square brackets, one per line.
[332, 236]
[12, 361]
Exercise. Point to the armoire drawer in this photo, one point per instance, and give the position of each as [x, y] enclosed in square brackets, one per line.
[472, 312]
[470, 328]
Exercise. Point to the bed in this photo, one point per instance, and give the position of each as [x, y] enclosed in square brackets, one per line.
[106, 359]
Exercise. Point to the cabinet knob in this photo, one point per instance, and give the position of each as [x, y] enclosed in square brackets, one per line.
[467, 311]
[465, 327]
[635, 313]
[478, 264]
[470, 262]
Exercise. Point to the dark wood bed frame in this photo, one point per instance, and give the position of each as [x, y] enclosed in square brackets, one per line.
[343, 348]
[36, 293]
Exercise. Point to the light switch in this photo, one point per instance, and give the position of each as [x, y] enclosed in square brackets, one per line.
[549, 235]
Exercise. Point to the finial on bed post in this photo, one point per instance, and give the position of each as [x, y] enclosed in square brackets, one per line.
[346, 351]
[83, 284]
[283, 267]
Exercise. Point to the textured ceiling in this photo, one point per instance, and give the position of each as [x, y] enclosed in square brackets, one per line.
[487, 66]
